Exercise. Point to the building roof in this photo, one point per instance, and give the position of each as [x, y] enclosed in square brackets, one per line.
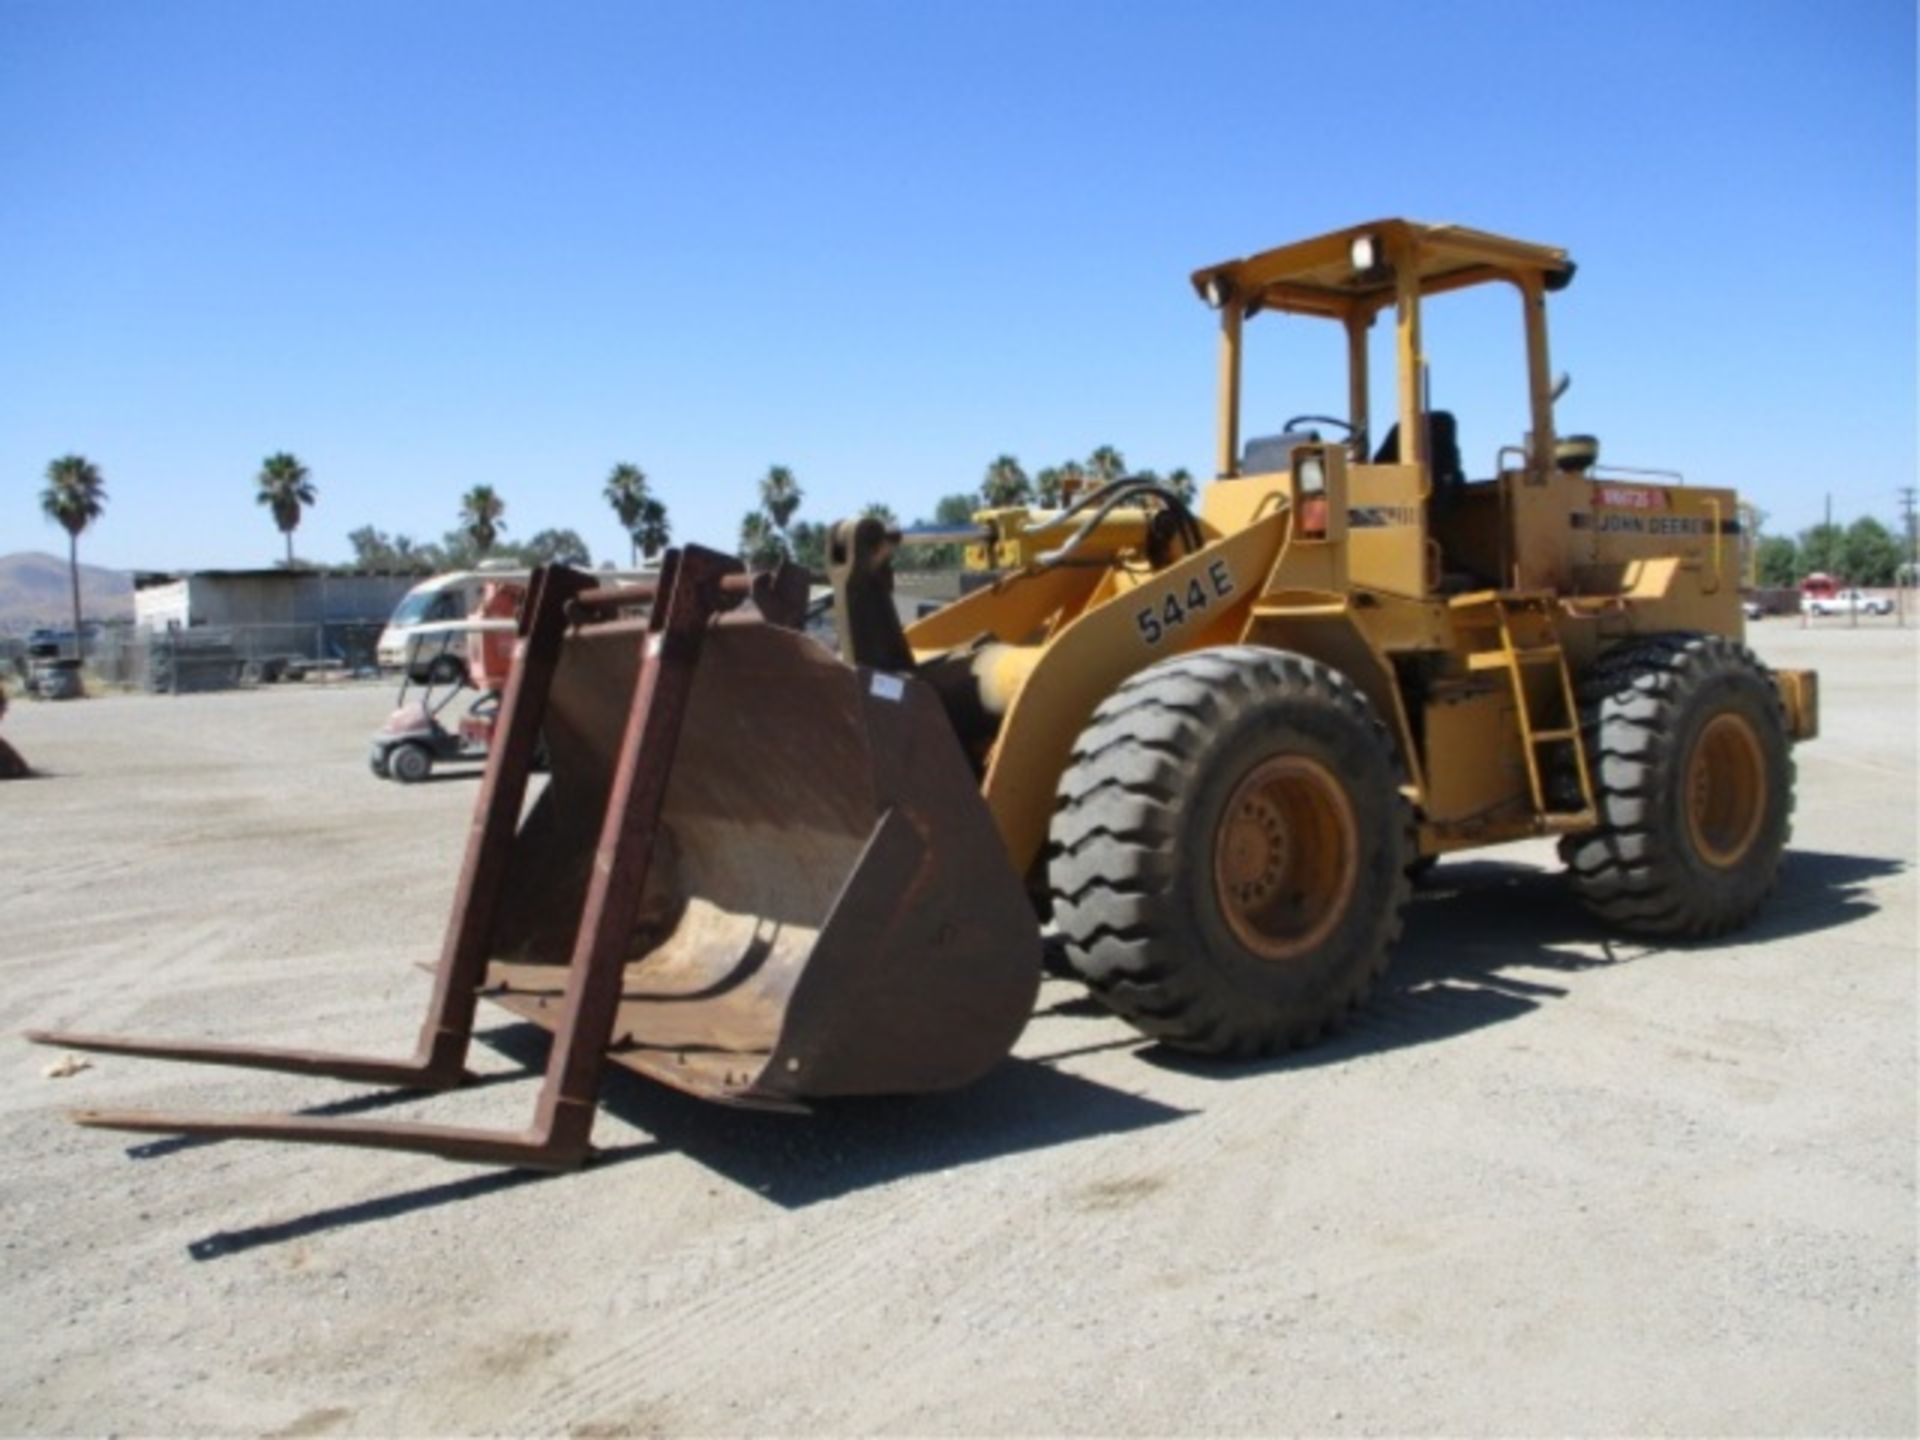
[146, 579]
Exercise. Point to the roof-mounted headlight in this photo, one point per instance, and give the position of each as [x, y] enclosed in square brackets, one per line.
[1216, 292]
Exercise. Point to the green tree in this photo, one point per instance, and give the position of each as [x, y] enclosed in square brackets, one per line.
[556, 547]
[1106, 464]
[74, 497]
[952, 510]
[1822, 549]
[809, 545]
[1180, 481]
[626, 491]
[1777, 561]
[371, 547]
[481, 510]
[285, 488]
[1046, 486]
[375, 550]
[654, 533]
[1869, 553]
[780, 496]
[762, 544]
[1005, 484]
[883, 513]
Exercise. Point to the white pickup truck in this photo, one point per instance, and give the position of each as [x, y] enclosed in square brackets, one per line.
[1847, 602]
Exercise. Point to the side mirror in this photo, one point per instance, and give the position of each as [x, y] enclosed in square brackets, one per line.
[1561, 386]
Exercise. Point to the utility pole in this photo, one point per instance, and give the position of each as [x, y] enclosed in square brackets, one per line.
[1909, 574]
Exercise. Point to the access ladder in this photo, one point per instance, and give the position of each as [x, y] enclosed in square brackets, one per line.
[1529, 644]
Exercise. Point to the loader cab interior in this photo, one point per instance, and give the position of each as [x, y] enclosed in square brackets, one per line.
[1397, 452]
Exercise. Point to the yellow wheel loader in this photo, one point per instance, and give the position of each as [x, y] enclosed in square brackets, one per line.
[1209, 747]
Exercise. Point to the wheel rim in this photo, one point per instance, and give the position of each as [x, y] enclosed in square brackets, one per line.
[1285, 856]
[1726, 790]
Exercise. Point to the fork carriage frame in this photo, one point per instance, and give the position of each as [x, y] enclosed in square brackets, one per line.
[695, 586]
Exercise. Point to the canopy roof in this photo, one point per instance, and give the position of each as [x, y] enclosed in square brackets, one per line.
[1317, 277]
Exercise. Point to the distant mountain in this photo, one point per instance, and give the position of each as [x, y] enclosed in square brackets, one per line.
[34, 591]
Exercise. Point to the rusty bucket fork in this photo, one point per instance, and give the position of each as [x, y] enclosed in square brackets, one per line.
[695, 585]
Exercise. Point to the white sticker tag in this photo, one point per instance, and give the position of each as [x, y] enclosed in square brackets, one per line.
[888, 687]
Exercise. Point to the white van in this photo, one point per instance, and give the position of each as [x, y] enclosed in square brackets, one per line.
[456, 595]
[435, 601]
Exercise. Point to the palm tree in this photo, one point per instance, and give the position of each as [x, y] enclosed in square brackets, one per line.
[1073, 479]
[780, 494]
[762, 545]
[653, 532]
[1106, 463]
[284, 489]
[74, 498]
[1005, 483]
[480, 512]
[626, 492]
[1046, 485]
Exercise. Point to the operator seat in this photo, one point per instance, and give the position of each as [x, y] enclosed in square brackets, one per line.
[1443, 451]
[1450, 508]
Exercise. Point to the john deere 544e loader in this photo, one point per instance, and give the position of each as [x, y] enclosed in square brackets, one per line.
[1209, 745]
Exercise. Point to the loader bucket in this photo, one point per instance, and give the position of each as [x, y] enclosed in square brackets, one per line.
[829, 910]
[755, 872]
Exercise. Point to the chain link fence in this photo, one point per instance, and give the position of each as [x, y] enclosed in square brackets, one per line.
[221, 657]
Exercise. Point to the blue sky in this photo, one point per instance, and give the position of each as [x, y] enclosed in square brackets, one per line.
[429, 245]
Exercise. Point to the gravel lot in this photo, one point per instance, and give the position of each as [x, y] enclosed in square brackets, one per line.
[1552, 1183]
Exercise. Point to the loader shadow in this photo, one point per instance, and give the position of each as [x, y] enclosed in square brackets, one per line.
[792, 1160]
[223, 1243]
[448, 777]
[1818, 891]
[1472, 924]
[849, 1145]
[1477, 927]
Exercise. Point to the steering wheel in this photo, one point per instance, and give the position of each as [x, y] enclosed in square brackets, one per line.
[1322, 420]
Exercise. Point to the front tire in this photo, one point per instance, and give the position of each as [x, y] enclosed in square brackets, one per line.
[410, 764]
[1229, 851]
[1693, 780]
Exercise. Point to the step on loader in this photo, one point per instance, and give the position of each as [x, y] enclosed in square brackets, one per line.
[1210, 747]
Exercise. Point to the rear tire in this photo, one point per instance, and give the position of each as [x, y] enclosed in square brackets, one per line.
[1693, 779]
[1229, 851]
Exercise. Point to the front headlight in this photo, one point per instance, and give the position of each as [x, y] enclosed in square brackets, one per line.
[1311, 474]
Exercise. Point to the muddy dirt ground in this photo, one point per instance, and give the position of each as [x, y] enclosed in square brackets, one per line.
[1551, 1182]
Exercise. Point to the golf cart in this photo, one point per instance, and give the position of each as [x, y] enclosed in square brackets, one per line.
[439, 671]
